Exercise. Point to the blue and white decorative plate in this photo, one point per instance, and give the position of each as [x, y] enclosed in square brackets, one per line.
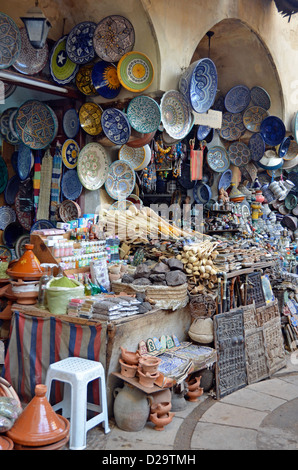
[256, 146]
[116, 126]
[10, 41]
[70, 153]
[176, 114]
[225, 179]
[198, 84]
[284, 147]
[232, 127]
[253, 117]
[79, 43]
[42, 224]
[120, 181]
[237, 99]
[30, 60]
[144, 114]
[114, 36]
[218, 159]
[24, 163]
[71, 123]
[3, 175]
[202, 193]
[273, 130]
[260, 97]
[203, 132]
[62, 69]
[7, 216]
[4, 120]
[105, 80]
[71, 186]
[36, 124]
[11, 189]
[239, 154]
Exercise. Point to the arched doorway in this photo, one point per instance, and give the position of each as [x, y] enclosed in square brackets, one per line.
[241, 57]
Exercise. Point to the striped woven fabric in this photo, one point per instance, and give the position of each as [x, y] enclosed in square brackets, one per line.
[56, 183]
[37, 342]
[36, 179]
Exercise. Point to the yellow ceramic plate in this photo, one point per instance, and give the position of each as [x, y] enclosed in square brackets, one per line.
[70, 153]
[90, 118]
[135, 71]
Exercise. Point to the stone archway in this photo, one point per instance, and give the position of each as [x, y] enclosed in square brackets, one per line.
[241, 57]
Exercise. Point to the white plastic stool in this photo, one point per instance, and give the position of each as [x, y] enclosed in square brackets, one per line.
[77, 372]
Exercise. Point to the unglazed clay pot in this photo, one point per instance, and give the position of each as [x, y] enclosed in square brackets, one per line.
[131, 408]
[128, 370]
[161, 408]
[193, 395]
[39, 425]
[6, 443]
[27, 267]
[149, 364]
[129, 357]
[161, 421]
[194, 384]
[147, 380]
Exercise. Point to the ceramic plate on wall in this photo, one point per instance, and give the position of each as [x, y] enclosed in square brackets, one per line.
[273, 130]
[62, 69]
[202, 193]
[135, 157]
[253, 117]
[3, 175]
[30, 61]
[24, 218]
[198, 84]
[11, 189]
[4, 120]
[92, 166]
[135, 71]
[10, 41]
[79, 43]
[176, 114]
[120, 181]
[218, 159]
[69, 210]
[70, 153]
[232, 127]
[24, 163]
[144, 114]
[284, 147]
[41, 225]
[105, 79]
[71, 185]
[90, 118]
[239, 154]
[225, 179]
[256, 146]
[260, 97]
[114, 36]
[71, 123]
[84, 80]
[116, 126]
[7, 216]
[36, 124]
[237, 99]
[202, 132]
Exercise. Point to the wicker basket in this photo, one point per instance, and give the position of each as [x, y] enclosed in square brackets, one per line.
[154, 292]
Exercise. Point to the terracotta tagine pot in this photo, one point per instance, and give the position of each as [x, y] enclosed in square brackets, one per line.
[149, 364]
[25, 292]
[6, 443]
[39, 425]
[193, 395]
[147, 380]
[161, 408]
[128, 370]
[161, 421]
[129, 357]
[27, 267]
[56, 446]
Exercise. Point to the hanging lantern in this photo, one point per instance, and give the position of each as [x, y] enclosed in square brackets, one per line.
[37, 26]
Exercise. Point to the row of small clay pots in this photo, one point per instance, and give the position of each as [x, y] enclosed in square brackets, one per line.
[194, 389]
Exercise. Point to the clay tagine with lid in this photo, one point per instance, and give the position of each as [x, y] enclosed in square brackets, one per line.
[39, 424]
[27, 267]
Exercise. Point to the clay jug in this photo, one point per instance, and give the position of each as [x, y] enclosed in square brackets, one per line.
[131, 408]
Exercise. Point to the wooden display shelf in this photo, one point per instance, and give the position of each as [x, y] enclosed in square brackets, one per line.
[134, 381]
